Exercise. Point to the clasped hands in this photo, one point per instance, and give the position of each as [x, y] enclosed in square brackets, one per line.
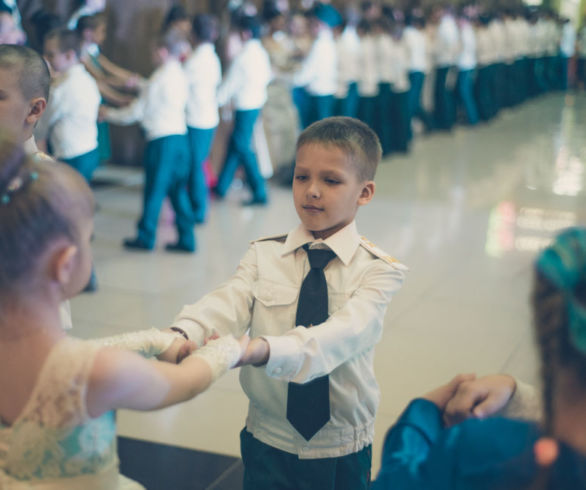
[466, 396]
[255, 351]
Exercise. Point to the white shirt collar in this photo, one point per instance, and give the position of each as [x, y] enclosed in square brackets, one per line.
[30, 146]
[343, 243]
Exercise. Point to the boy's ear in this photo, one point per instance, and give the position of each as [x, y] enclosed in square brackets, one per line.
[37, 107]
[367, 193]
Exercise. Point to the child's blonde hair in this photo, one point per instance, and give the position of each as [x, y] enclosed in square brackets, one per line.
[350, 135]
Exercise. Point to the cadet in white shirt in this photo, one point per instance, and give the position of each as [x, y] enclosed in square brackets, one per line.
[25, 82]
[246, 84]
[319, 71]
[416, 44]
[567, 51]
[368, 77]
[204, 74]
[446, 44]
[160, 110]
[70, 120]
[399, 91]
[484, 53]
[384, 46]
[467, 68]
[335, 164]
[347, 54]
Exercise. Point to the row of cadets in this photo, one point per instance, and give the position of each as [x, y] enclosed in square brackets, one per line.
[204, 74]
[160, 109]
[245, 85]
[318, 71]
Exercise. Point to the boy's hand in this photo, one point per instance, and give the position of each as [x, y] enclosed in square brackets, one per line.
[257, 353]
[480, 398]
[178, 350]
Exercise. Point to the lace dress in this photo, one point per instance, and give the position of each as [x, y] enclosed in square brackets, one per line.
[54, 444]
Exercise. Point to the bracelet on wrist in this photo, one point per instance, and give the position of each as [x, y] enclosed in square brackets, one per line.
[180, 332]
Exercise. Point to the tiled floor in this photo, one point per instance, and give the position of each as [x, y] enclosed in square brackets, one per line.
[465, 211]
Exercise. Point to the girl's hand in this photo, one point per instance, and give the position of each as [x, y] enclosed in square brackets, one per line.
[442, 395]
[257, 353]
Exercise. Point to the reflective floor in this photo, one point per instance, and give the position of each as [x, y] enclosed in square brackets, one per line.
[465, 211]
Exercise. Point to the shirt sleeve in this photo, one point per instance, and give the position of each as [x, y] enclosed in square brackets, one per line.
[524, 404]
[226, 310]
[303, 354]
[132, 113]
[231, 84]
[308, 68]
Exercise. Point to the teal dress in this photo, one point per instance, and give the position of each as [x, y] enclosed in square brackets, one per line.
[54, 443]
[495, 453]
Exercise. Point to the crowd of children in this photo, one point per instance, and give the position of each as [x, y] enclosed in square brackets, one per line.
[312, 300]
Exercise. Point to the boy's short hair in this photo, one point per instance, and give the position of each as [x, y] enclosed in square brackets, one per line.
[91, 22]
[67, 40]
[174, 41]
[350, 135]
[34, 77]
[205, 27]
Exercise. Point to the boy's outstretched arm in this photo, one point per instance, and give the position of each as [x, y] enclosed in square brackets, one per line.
[303, 354]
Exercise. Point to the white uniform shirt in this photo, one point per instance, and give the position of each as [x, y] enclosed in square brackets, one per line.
[70, 119]
[319, 71]
[160, 106]
[347, 54]
[30, 148]
[383, 45]
[247, 78]
[484, 48]
[263, 295]
[415, 42]
[446, 42]
[497, 30]
[467, 58]
[368, 77]
[204, 74]
[399, 60]
[568, 41]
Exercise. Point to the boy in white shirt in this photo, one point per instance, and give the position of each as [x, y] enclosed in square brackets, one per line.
[204, 74]
[319, 339]
[25, 82]
[70, 119]
[160, 109]
[246, 82]
[319, 71]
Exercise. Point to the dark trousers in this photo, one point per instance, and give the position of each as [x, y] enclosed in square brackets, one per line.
[400, 121]
[417, 79]
[268, 468]
[466, 95]
[348, 106]
[321, 106]
[85, 164]
[383, 121]
[483, 93]
[563, 62]
[240, 152]
[444, 109]
[166, 167]
[200, 142]
[301, 101]
[367, 111]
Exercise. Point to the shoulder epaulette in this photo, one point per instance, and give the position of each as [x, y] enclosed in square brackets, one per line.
[377, 252]
[275, 238]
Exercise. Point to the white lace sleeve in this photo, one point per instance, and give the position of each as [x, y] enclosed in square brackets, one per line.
[221, 354]
[524, 404]
[147, 343]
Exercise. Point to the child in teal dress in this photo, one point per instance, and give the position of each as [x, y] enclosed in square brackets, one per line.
[502, 453]
[57, 426]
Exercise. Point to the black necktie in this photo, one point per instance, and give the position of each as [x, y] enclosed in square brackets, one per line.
[308, 405]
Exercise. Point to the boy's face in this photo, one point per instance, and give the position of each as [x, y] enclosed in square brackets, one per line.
[326, 189]
[14, 107]
[60, 61]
